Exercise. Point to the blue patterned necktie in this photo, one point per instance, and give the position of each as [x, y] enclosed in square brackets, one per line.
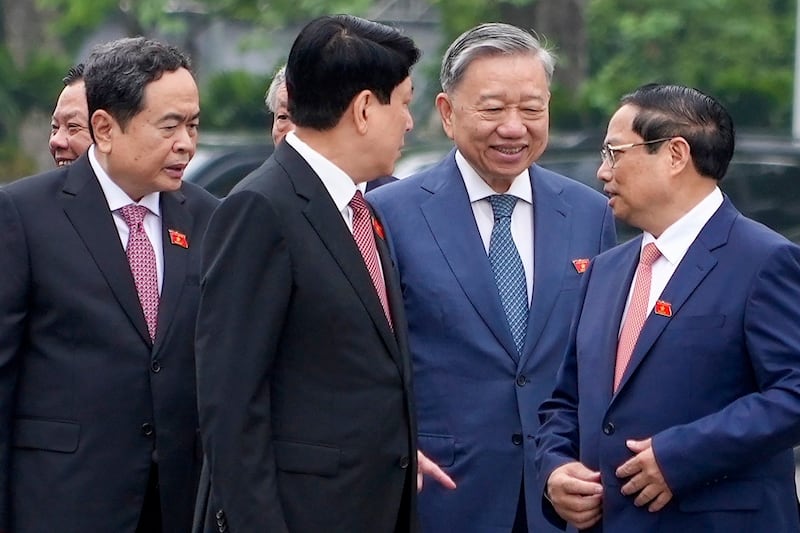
[509, 273]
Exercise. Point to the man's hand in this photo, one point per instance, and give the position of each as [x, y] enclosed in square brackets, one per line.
[645, 477]
[426, 467]
[576, 494]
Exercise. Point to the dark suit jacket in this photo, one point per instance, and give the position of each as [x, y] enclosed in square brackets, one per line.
[476, 397]
[305, 391]
[383, 180]
[714, 381]
[86, 400]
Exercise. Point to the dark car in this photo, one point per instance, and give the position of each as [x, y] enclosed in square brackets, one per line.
[763, 179]
[221, 163]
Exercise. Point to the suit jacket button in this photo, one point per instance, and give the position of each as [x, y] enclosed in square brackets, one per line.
[155, 366]
[404, 462]
[516, 439]
[147, 429]
[521, 381]
[608, 429]
[220, 514]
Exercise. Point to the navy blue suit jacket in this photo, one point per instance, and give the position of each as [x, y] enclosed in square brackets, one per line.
[476, 397]
[715, 381]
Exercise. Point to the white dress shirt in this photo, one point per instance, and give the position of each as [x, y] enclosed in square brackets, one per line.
[673, 245]
[521, 219]
[338, 184]
[117, 199]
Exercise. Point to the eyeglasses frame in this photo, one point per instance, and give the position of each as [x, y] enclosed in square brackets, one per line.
[607, 150]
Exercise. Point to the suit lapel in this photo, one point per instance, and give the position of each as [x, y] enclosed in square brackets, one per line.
[551, 243]
[449, 215]
[395, 296]
[692, 270]
[174, 216]
[326, 220]
[87, 209]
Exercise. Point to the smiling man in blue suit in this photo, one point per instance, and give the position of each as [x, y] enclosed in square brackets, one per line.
[678, 402]
[490, 248]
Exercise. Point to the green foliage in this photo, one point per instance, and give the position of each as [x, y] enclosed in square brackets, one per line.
[234, 99]
[23, 89]
[738, 50]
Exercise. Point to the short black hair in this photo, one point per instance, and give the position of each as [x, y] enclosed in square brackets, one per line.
[117, 73]
[336, 57]
[678, 111]
[74, 75]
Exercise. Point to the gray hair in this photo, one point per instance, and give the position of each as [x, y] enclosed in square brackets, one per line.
[278, 81]
[493, 38]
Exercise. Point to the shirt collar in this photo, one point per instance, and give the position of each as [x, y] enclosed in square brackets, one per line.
[676, 239]
[115, 196]
[340, 186]
[477, 189]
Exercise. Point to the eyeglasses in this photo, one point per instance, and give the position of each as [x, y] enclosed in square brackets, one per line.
[607, 151]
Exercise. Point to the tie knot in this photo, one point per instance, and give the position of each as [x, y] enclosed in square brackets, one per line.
[133, 214]
[358, 204]
[503, 205]
[650, 254]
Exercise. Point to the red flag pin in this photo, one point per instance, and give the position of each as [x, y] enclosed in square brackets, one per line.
[663, 308]
[178, 239]
[580, 265]
[378, 228]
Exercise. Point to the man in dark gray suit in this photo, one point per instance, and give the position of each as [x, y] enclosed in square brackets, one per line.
[303, 368]
[98, 418]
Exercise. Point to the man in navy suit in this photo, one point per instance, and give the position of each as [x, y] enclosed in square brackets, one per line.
[98, 417]
[479, 373]
[678, 402]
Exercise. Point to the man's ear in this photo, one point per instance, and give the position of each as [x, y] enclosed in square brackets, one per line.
[445, 106]
[361, 107]
[103, 126]
[680, 154]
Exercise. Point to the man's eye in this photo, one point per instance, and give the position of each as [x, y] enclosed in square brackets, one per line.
[74, 129]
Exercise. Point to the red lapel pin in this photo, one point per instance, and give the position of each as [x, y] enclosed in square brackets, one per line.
[378, 228]
[178, 239]
[663, 308]
[580, 265]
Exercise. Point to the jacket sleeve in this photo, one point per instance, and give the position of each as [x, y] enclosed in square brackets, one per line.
[245, 293]
[14, 289]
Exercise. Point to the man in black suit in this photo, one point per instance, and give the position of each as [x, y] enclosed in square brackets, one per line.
[303, 369]
[98, 419]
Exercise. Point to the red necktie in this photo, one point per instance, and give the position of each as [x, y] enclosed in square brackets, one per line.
[637, 311]
[365, 239]
[142, 260]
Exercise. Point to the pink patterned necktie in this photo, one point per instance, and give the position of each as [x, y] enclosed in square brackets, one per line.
[637, 311]
[365, 239]
[142, 260]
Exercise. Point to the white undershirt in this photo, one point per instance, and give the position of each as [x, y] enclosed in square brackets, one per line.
[521, 219]
[673, 245]
[117, 199]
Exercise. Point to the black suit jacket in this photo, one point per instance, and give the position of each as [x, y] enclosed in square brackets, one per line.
[86, 400]
[304, 389]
